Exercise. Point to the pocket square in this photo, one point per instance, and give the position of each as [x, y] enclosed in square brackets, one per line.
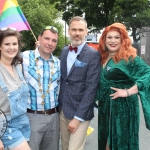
[79, 63]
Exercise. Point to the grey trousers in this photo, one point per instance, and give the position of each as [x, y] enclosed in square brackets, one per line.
[44, 131]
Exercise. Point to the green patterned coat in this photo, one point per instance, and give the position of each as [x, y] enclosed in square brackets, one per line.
[118, 119]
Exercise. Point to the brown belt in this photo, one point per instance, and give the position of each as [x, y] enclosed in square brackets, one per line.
[45, 112]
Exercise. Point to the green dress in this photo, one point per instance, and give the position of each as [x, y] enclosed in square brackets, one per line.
[118, 120]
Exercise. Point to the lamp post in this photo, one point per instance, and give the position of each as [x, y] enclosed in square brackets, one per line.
[65, 23]
[65, 32]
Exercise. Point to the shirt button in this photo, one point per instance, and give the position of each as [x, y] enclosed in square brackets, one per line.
[66, 82]
[7, 94]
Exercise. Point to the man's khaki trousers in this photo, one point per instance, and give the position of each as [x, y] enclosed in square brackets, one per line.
[74, 141]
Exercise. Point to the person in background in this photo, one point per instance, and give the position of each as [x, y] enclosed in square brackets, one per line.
[124, 76]
[80, 65]
[13, 92]
[42, 73]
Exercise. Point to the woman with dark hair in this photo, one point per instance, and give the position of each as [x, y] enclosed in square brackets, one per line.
[124, 76]
[13, 92]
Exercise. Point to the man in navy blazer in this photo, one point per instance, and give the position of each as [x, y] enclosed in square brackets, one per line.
[80, 67]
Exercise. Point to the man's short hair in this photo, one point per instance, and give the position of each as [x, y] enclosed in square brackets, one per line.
[77, 18]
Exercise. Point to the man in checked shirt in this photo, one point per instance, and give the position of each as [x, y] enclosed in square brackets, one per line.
[42, 73]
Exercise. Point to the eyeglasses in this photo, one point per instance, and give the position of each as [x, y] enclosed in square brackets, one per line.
[3, 29]
[51, 28]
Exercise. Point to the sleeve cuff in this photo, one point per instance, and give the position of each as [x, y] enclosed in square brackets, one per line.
[78, 118]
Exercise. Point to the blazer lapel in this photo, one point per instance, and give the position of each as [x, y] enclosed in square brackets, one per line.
[82, 52]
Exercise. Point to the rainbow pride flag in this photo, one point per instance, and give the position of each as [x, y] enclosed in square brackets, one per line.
[12, 16]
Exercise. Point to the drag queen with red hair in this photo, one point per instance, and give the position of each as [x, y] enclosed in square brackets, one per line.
[124, 76]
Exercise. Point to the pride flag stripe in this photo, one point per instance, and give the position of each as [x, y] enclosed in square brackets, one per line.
[9, 20]
[10, 12]
[17, 25]
[2, 5]
[9, 4]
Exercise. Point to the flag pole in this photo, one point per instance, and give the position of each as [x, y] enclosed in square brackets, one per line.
[33, 35]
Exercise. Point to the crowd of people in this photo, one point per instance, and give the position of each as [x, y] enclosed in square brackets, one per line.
[46, 98]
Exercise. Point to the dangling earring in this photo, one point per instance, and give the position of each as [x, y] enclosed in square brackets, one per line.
[106, 49]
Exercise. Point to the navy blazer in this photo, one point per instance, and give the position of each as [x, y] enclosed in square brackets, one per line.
[78, 88]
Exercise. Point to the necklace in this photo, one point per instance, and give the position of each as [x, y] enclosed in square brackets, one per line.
[43, 95]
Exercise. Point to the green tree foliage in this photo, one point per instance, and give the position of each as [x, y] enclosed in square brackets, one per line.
[135, 14]
[41, 13]
[70, 9]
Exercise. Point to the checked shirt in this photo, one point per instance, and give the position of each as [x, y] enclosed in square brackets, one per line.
[30, 73]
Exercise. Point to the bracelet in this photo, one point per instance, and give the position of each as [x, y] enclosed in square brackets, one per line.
[127, 92]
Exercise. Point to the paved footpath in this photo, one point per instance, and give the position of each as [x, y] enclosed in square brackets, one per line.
[91, 141]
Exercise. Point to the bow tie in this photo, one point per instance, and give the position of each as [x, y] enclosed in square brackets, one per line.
[73, 48]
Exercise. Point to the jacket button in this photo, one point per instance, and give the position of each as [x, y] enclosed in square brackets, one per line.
[66, 82]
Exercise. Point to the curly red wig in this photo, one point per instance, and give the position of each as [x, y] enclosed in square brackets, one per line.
[126, 50]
